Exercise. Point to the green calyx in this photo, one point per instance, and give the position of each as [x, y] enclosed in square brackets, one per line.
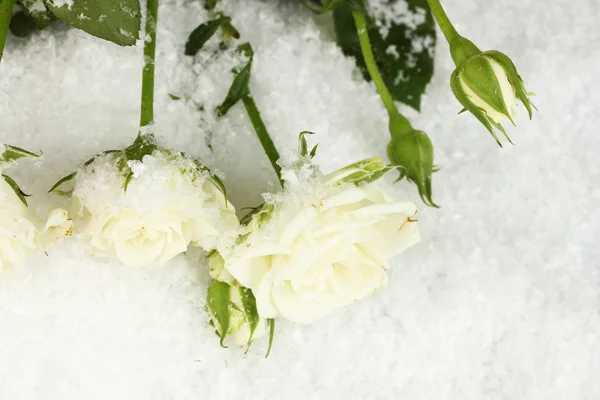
[259, 215]
[231, 307]
[13, 153]
[514, 78]
[470, 106]
[303, 146]
[478, 74]
[15, 187]
[412, 154]
[361, 172]
[144, 145]
[10, 154]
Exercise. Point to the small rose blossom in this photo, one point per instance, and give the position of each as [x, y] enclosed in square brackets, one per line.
[22, 232]
[318, 251]
[153, 215]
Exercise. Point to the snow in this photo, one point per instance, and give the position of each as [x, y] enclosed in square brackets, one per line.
[500, 300]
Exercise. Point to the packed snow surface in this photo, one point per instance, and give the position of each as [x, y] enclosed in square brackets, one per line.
[500, 300]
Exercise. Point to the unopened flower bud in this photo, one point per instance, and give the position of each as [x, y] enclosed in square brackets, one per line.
[487, 84]
[412, 153]
[233, 312]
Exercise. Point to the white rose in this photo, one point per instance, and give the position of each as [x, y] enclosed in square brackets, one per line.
[321, 251]
[22, 232]
[167, 205]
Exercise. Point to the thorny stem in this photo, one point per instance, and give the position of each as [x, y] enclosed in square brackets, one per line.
[396, 118]
[263, 134]
[443, 20]
[6, 7]
[147, 108]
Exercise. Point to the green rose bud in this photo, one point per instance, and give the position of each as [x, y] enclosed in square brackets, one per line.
[412, 153]
[487, 84]
[233, 312]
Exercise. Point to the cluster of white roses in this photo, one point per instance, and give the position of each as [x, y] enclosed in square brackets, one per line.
[322, 243]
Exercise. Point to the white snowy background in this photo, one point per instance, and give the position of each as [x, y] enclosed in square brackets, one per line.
[500, 300]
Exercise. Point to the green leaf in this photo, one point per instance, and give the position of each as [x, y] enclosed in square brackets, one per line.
[115, 20]
[218, 302]
[240, 85]
[404, 55]
[229, 31]
[66, 179]
[202, 34]
[271, 323]
[20, 194]
[144, 145]
[250, 310]
[239, 88]
[6, 10]
[13, 153]
[246, 49]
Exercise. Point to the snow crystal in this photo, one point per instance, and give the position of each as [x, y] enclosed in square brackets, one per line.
[100, 184]
[388, 13]
[60, 3]
[500, 300]
[126, 33]
[36, 6]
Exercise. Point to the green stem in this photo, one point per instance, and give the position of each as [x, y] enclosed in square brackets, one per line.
[399, 121]
[147, 113]
[443, 20]
[6, 7]
[263, 134]
[367, 51]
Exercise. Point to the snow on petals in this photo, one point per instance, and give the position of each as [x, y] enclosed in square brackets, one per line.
[167, 204]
